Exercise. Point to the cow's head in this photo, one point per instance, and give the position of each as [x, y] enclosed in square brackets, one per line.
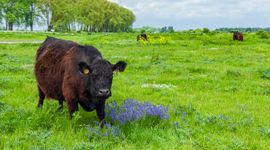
[99, 75]
[235, 34]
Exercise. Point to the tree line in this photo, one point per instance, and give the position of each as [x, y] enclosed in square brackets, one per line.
[66, 15]
[243, 29]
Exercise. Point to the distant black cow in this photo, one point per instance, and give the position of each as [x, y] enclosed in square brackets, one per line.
[142, 37]
[77, 74]
[238, 36]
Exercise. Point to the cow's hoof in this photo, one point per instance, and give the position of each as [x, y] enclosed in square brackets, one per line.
[102, 123]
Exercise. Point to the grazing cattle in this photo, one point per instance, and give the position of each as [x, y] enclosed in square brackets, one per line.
[238, 36]
[142, 37]
[77, 74]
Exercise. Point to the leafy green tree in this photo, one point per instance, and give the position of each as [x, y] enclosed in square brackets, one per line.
[111, 14]
[45, 8]
[89, 15]
[170, 29]
[63, 14]
[30, 13]
[9, 12]
[127, 19]
[17, 12]
[206, 30]
[163, 29]
[117, 18]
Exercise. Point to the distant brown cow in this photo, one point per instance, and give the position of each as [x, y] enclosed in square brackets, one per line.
[238, 36]
[142, 37]
[77, 74]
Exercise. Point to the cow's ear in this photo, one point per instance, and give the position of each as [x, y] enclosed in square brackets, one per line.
[119, 66]
[84, 68]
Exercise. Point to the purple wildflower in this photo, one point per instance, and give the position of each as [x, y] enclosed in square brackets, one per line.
[106, 133]
[183, 119]
[221, 116]
[98, 132]
[108, 125]
[109, 130]
[176, 124]
[93, 132]
[132, 110]
[184, 113]
[115, 131]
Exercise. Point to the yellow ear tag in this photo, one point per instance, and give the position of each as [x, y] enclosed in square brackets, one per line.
[85, 71]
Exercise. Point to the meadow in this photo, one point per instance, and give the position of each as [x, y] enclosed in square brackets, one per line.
[217, 91]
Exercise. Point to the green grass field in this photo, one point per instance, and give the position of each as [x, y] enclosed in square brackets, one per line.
[217, 90]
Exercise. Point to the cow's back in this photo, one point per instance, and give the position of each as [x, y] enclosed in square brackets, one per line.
[55, 47]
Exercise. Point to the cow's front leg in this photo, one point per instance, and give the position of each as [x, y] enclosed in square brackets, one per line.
[100, 109]
[72, 106]
[70, 96]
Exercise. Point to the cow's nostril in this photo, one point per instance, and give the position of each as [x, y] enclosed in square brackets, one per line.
[104, 92]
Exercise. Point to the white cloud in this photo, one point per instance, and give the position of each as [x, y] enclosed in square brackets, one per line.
[180, 13]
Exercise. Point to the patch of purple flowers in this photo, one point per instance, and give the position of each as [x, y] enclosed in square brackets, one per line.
[108, 130]
[132, 110]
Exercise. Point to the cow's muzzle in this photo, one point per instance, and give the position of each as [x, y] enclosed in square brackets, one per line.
[104, 93]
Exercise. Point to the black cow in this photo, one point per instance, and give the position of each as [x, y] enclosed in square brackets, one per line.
[238, 36]
[142, 37]
[77, 74]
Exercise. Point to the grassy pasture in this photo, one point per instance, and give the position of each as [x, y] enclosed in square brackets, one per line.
[217, 90]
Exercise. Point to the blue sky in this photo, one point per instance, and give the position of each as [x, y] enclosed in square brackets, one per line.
[192, 14]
